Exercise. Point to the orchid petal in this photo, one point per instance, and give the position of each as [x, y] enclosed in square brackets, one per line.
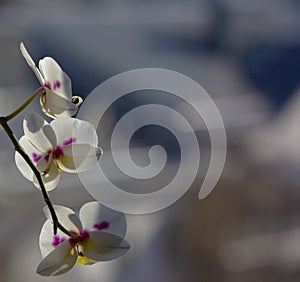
[20, 162]
[104, 246]
[66, 217]
[38, 131]
[78, 157]
[56, 106]
[50, 134]
[31, 63]
[57, 79]
[50, 173]
[94, 213]
[83, 132]
[59, 261]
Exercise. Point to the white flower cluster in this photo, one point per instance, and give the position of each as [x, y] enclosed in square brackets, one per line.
[70, 145]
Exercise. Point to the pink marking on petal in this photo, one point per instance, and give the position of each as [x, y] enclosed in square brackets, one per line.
[57, 240]
[47, 84]
[46, 157]
[36, 157]
[57, 84]
[101, 225]
[69, 141]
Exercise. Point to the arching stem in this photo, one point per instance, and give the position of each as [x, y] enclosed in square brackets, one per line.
[25, 104]
[19, 149]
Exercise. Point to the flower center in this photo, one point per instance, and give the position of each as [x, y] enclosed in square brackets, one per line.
[57, 152]
[83, 236]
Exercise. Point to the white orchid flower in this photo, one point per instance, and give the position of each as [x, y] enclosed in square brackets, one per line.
[99, 235]
[69, 145]
[57, 101]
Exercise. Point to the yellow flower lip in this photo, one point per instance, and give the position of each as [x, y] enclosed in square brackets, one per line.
[85, 260]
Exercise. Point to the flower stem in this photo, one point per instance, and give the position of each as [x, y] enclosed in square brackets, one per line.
[24, 105]
[67, 232]
[19, 149]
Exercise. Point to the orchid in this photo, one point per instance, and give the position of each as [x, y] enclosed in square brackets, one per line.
[69, 145]
[97, 235]
[57, 101]
[46, 150]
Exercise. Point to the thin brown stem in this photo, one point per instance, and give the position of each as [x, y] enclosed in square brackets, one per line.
[19, 149]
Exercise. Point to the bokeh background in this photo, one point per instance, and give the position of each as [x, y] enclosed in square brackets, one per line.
[246, 54]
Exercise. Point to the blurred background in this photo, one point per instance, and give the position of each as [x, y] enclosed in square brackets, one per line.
[246, 54]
